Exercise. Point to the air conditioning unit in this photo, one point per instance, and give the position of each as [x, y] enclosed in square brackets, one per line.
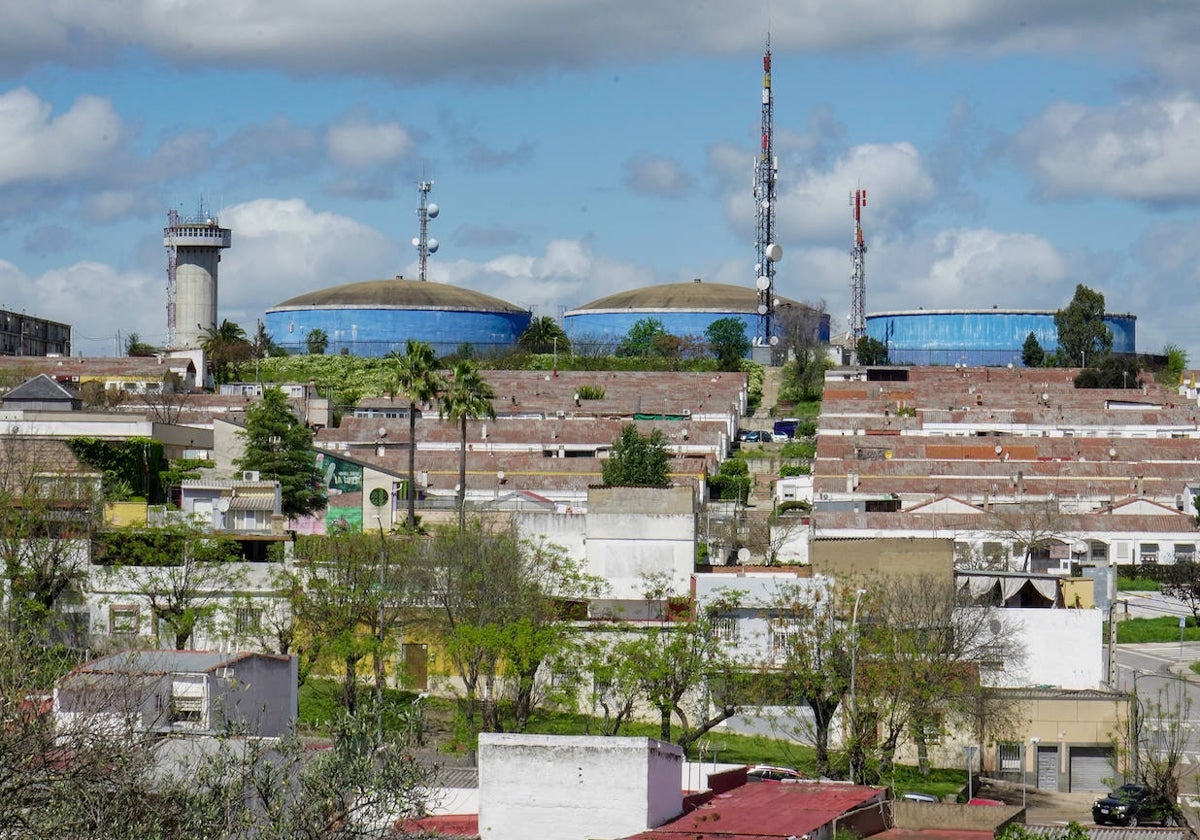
[250, 475]
[560, 414]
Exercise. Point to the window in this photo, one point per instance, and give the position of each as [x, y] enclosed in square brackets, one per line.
[725, 629]
[247, 620]
[1185, 552]
[1008, 759]
[1148, 553]
[187, 710]
[783, 633]
[124, 620]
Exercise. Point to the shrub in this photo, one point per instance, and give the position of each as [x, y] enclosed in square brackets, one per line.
[590, 392]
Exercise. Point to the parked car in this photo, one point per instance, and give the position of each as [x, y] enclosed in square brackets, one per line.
[1133, 805]
[915, 796]
[769, 773]
[750, 435]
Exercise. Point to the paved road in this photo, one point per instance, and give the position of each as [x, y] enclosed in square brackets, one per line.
[1148, 605]
[1168, 692]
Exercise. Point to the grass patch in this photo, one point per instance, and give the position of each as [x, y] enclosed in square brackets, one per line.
[1162, 629]
[1138, 585]
[321, 704]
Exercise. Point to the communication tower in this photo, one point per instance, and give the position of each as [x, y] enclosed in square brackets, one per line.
[767, 251]
[194, 245]
[858, 272]
[424, 245]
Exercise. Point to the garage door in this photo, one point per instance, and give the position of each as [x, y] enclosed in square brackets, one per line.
[1047, 768]
[1091, 768]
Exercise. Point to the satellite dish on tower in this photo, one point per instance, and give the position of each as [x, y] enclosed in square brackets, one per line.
[433, 210]
[774, 252]
[433, 246]
[762, 283]
[416, 241]
[762, 309]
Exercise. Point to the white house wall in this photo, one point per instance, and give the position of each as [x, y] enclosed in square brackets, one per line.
[549, 787]
[1063, 648]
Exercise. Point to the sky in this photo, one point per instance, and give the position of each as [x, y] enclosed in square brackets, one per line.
[1010, 149]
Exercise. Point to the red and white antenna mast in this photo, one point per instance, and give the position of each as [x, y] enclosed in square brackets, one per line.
[858, 271]
[767, 251]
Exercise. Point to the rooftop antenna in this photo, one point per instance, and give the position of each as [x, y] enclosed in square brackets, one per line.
[858, 271]
[767, 251]
[426, 211]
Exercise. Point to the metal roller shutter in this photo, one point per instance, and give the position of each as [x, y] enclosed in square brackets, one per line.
[1091, 768]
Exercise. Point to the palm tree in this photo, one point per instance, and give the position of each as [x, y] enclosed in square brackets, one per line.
[417, 374]
[543, 335]
[225, 345]
[468, 396]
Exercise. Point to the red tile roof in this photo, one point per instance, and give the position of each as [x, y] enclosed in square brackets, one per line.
[765, 810]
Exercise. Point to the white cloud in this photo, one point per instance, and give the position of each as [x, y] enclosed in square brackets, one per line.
[814, 206]
[655, 175]
[1143, 150]
[358, 144]
[283, 248]
[38, 145]
[496, 39]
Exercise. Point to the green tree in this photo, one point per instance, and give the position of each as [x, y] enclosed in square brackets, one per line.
[227, 348]
[134, 346]
[871, 351]
[643, 338]
[279, 447]
[727, 338]
[316, 342]
[1082, 334]
[681, 669]
[350, 596]
[813, 663]
[503, 604]
[544, 335]
[1177, 362]
[182, 571]
[1110, 371]
[1032, 354]
[264, 345]
[418, 376]
[638, 460]
[468, 396]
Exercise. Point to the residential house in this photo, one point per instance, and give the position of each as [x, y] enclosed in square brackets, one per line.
[182, 692]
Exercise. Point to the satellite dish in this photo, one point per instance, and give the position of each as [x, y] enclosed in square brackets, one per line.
[433, 246]
[766, 205]
[743, 555]
[416, 242]
[223, 504]
[774, 341]
[762, 309]
[774, 252]
[762, 283]
[432, 210]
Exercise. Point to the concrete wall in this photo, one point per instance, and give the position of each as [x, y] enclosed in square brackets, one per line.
[1063, 648]
[633, 532]
[849, 558]
[555, 787]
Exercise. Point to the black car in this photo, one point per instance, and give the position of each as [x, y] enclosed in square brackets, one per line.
[1133, 805]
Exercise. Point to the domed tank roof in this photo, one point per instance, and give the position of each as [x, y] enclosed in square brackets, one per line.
[692, 296]
[399, 293]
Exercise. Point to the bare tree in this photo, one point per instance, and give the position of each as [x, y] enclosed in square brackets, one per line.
[1031, 527]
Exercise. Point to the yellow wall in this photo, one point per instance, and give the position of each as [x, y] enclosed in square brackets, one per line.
[120, 514]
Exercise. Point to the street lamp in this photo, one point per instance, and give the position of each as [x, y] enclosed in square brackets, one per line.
[853, 673]
[1033, 742]
[379, 675]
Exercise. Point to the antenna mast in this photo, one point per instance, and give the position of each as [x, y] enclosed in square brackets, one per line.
[172, 262]
[426, 211]
[858, 272]
[767, 252]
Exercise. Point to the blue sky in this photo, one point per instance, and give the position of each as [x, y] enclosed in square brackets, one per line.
[1010, 149]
